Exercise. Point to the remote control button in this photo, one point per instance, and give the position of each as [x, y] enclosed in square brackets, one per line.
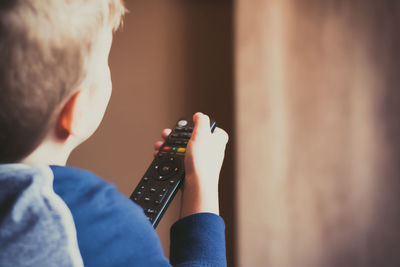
[161, 154]
[180, 129]
[175, 135]
[182, 135]
[150, 211]
[138, 195]
[181, 150]
[166, 168]
[178, 142]
[182, 123]
[161, 196]
[189, 129]
[166, 148]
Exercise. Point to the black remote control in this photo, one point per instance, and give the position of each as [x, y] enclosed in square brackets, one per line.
[165, 175]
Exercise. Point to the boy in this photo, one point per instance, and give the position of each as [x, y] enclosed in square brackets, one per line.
[54, 88]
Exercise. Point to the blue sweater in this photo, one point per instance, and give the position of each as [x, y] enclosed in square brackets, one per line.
[114, 231]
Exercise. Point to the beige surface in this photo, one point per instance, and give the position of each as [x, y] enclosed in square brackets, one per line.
[171, 59]
[317, 134]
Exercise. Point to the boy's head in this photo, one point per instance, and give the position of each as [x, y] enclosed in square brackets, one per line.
[53, 70]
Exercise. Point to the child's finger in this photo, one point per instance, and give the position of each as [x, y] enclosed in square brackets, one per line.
[165, 133]
[158, 144]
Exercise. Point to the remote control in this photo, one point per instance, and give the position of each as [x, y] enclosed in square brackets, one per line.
[166, 173]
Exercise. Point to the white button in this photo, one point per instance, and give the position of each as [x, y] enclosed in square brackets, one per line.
[182, 123]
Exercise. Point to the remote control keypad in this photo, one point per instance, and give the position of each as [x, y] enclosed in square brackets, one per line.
[166, 171]
[165, 175]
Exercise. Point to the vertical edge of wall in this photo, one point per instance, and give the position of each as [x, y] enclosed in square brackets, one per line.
[261, 130]
[317, 133]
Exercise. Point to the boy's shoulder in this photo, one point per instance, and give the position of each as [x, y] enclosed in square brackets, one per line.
[81, 189]
[112, 230]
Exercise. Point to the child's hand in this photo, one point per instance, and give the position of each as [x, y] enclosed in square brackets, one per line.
[203, 162]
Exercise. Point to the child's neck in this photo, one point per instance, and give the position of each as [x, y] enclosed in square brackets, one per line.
[49, 153]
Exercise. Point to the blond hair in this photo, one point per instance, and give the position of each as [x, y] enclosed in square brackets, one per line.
[44, 48]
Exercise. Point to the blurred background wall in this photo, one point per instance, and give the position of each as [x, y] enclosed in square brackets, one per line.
[317, 115]
[171, 59]
[308, 92]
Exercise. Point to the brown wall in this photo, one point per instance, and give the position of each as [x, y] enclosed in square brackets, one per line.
[316, 114]
[171, 59]
[318, 173]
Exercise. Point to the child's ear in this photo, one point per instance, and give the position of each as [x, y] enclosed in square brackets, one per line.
[66, 118]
